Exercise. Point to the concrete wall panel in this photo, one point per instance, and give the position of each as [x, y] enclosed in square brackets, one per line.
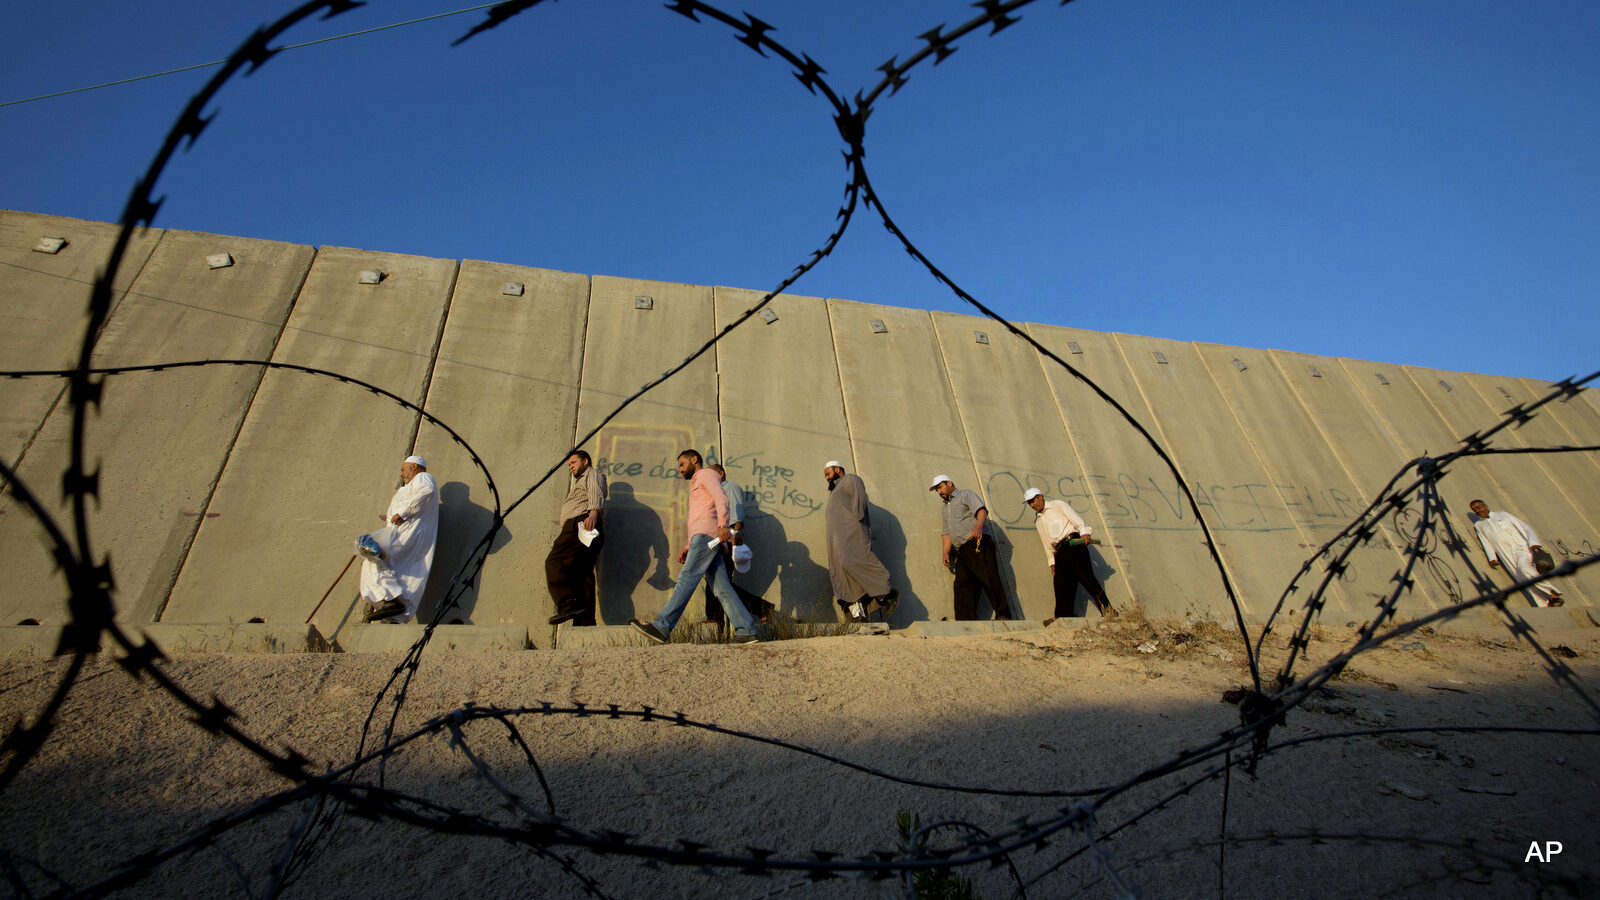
[1014, 432]
[507, 382]
[1255, 532]
[782, 415]
[1320, 495]
[1524, 487]
[243, 491]
[1574, 473]
[904, 430]
[1418, 428]
[161, 437]
[646, 514]
[46, 298]
[1591, 396]
[1150, 549]
[1364, 447]
[317, 460]
[1579, 417]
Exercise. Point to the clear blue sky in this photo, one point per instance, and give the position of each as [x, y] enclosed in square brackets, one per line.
[1399, 181]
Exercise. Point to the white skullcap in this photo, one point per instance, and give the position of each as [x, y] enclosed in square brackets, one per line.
[417, 461]
[742, 555]
[833, 464]
[1032, 493]
[940, 479]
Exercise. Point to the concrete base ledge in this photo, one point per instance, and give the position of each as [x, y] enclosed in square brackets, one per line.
[385, 638]
[31, 640]
[244, 637]
[959, 629]
[588, 637]
[1542, 618]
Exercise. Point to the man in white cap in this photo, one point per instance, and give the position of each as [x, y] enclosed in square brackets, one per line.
[1509, 543]
[860, 582]
[1066, 548]
[976, 565]
[393, 588]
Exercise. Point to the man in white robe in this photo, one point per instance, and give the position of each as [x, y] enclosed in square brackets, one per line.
[393, 586]
[1509, 543]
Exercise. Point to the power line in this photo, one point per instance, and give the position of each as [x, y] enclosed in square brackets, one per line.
[214, 63]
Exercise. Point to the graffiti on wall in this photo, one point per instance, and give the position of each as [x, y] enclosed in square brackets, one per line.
[646, 456]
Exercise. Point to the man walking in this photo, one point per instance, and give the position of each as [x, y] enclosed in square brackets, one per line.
[976, 566]
[752, 602]
[1066, 549]
[860, 582]
[393, 588]
[1509, 543]
[569, 569]
[708, 522]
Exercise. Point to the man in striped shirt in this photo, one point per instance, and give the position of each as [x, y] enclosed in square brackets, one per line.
[569, 569]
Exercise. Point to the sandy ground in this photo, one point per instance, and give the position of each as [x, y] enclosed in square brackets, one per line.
[125, 772]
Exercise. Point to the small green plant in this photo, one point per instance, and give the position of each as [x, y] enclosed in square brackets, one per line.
[935, 883]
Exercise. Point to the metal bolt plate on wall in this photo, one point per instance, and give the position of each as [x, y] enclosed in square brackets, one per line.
[1160, 357]
[1075, 347]
[50, 245]
[644, 303]
[512, 289]
[1446, 385]
[981, 337]
[219, 260]
[370, 276]
[1382, 378]
[768, 316]
[878, 327]
[1315, 372]
[1239, 364]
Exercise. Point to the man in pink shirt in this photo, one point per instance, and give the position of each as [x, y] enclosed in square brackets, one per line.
[708, 527]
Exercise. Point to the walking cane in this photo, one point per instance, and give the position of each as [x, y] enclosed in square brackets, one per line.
[330, 589]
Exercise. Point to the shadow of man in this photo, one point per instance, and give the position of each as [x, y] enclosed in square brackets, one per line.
[462, 525]
[889, 545]
[635, 534]
[1102, 571]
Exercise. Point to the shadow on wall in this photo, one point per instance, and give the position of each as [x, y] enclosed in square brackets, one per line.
[462, 524]
[636, 535]
[1102, 573]
[1008, 576]
[806, 591]
[889, 545]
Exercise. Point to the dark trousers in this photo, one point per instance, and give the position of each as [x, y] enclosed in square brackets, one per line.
[752, 602]
[978, 568]
[1073, 568]
[569, 571]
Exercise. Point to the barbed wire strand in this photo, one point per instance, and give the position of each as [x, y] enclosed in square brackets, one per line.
[90, 602]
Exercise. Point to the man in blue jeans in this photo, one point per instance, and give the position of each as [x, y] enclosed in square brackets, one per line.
[708, 522]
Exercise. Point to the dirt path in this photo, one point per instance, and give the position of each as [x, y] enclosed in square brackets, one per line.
[1053, 710]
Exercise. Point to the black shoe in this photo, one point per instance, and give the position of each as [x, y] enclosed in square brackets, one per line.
[890, 601]
[388, 609]
[558, 618]
[649, 630]
[744, 639]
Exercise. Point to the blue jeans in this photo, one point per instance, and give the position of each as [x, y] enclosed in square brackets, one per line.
[702, 561]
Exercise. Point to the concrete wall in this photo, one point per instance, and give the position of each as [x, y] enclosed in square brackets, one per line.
[233, 492]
